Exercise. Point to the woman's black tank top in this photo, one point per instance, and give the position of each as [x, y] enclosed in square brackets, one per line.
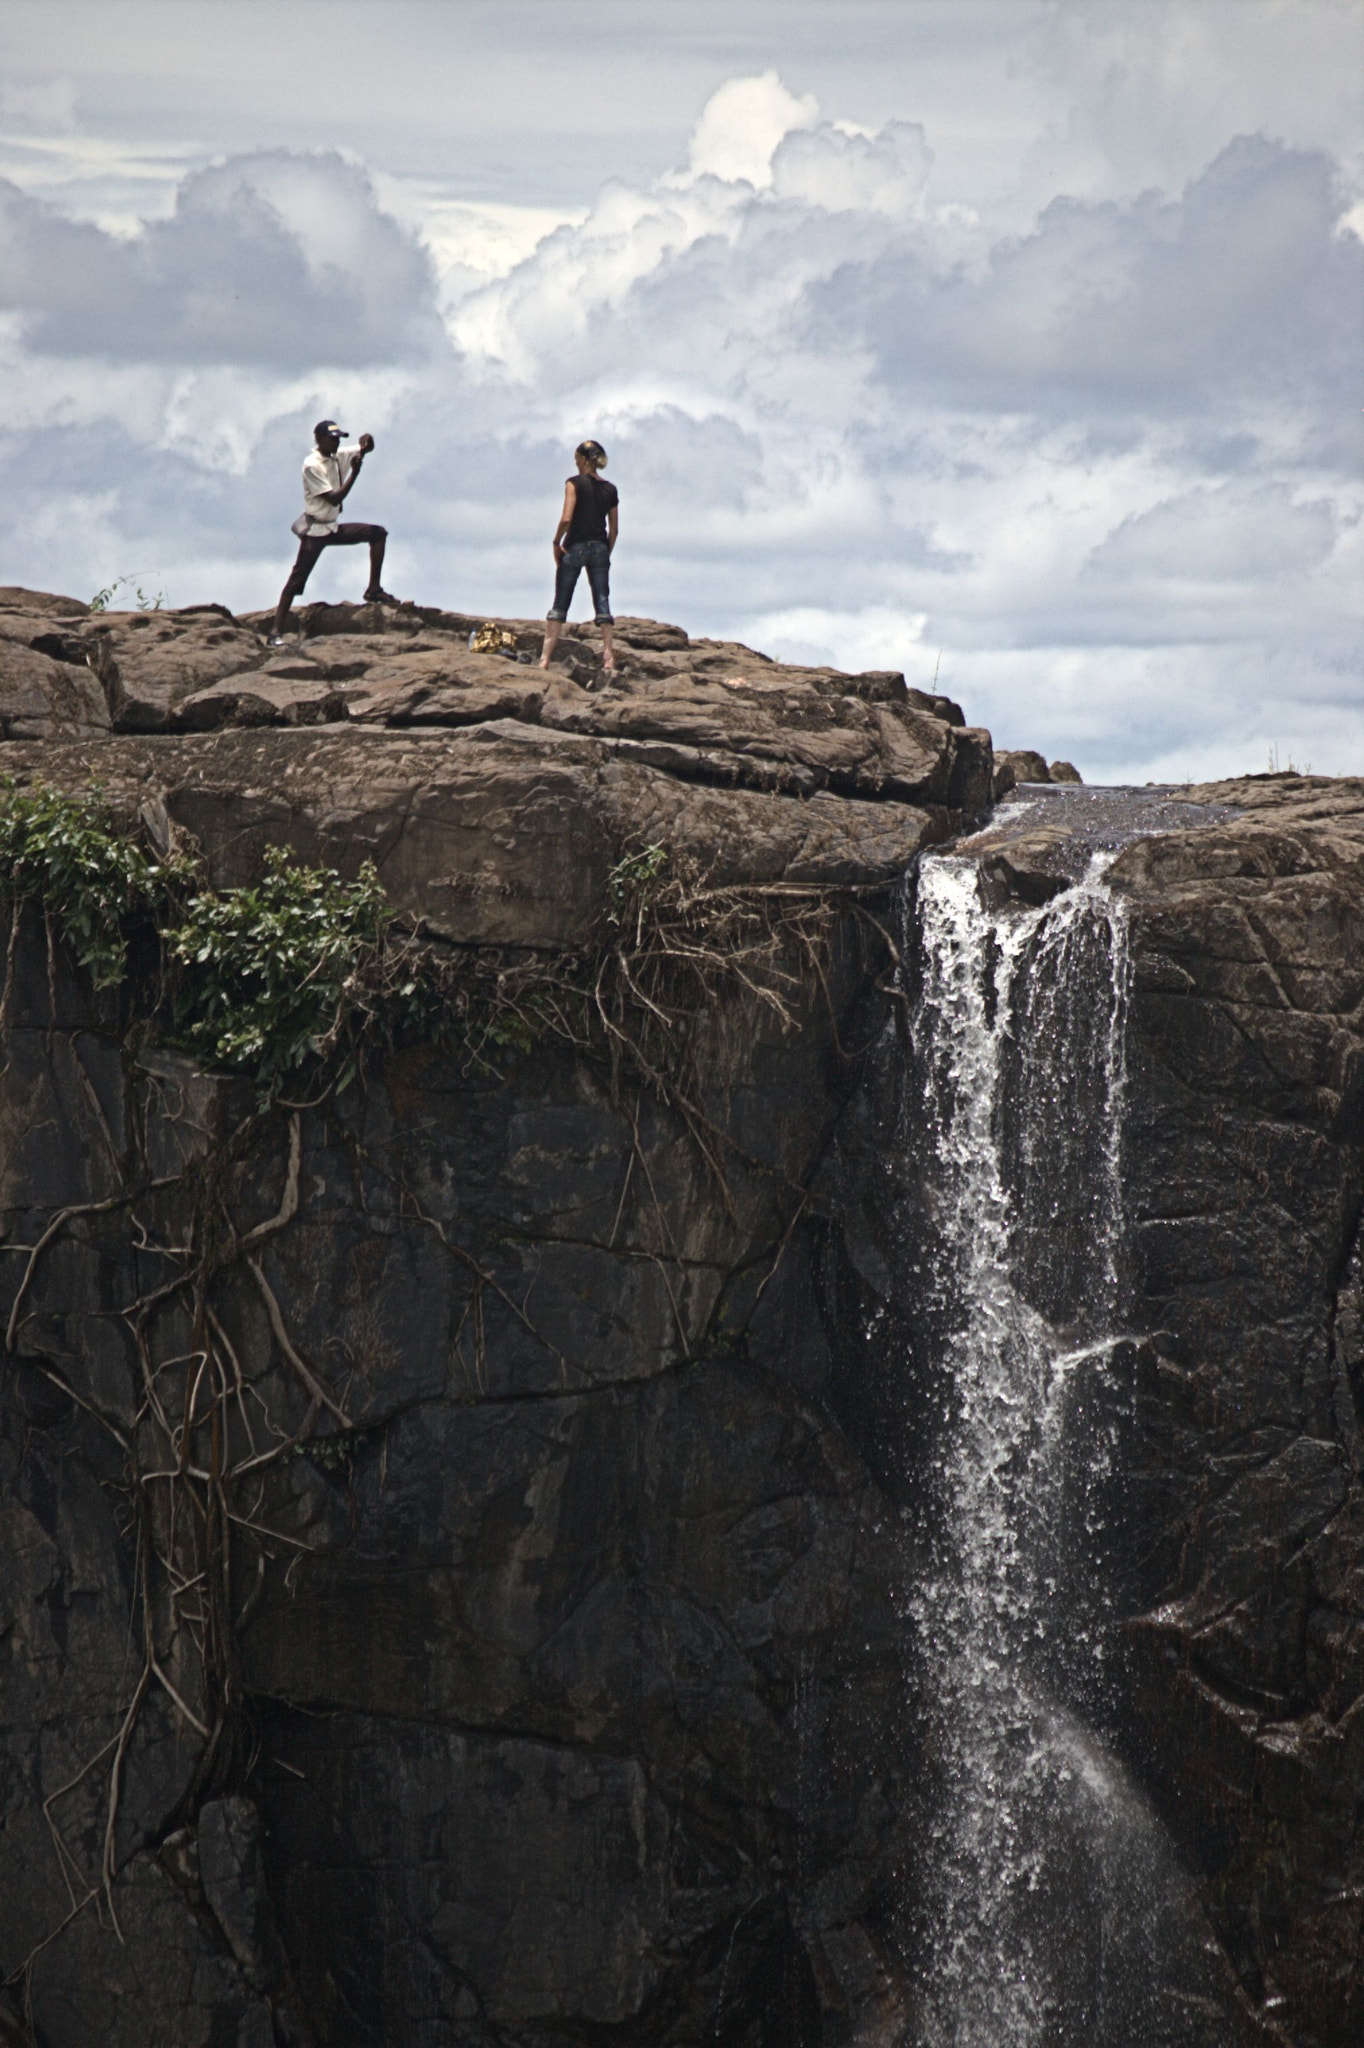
[593, 499]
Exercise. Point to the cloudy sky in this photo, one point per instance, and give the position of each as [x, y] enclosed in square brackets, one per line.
[1022, 340]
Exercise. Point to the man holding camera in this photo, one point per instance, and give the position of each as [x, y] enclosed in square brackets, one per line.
[329, 474]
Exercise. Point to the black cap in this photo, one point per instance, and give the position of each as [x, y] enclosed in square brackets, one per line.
[330, 427]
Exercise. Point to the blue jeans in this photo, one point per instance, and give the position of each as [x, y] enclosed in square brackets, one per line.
[595, 557]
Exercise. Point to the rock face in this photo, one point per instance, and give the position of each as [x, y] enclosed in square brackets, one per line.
[1246, 1180]
[565, 1595]
[569, 1668]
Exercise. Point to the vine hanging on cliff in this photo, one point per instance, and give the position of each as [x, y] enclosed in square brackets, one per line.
[303, 969]
[292, 982]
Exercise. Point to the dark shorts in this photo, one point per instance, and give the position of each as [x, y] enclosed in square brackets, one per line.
[595, 557]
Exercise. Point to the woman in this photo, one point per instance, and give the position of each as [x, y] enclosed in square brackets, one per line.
[583, 539]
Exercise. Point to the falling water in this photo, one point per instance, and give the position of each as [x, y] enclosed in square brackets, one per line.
[1051, 1911]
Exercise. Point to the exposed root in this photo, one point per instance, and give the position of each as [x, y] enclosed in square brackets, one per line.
[285, 1343]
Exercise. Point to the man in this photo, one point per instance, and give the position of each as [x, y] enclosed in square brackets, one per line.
[329, 475]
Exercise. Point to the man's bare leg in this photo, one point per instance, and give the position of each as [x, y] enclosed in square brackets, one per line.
[608, 649]
[376, 566]
[553, 629]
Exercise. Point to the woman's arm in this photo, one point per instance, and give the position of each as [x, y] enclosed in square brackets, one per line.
[612, 528]
[565, 520]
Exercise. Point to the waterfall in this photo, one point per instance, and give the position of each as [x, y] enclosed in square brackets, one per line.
[1050, 1908]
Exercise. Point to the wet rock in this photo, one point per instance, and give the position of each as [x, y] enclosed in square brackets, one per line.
[1245, 1177]
[1032, 866]
[1026, 765]
[1235, 1528]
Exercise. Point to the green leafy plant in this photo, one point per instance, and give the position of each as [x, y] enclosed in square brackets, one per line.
[631, 882]
[304, 970]
[102, 599]
[94, 881]
[301, 969]
[270, 972]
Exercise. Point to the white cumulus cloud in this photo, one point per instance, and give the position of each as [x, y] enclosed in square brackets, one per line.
[741, 126]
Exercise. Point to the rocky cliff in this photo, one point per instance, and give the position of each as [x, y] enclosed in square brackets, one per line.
[453, 1564]
[1244, 1170]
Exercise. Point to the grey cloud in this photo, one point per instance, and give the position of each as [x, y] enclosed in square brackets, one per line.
[273, 260]
[1220, 536]
[676, 462]
[1240, 287]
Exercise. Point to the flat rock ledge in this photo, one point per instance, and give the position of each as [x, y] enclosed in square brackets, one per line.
[492, 795]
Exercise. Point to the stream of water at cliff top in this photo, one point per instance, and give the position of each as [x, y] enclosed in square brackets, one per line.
[1050, 1905]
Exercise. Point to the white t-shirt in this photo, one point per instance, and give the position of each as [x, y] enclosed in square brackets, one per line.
[326, 473]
